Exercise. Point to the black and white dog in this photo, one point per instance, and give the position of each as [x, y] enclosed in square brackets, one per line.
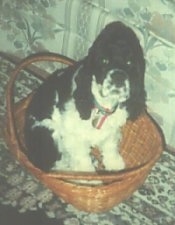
[85, 105]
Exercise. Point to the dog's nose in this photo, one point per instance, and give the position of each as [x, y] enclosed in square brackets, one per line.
[118, 77]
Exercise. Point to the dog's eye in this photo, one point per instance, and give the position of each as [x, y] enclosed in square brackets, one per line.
[105, 61]
[128, 62]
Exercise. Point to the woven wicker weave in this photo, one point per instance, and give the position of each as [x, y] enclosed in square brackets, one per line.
[141, 147]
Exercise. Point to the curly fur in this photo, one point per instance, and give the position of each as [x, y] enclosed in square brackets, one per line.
[59, 128]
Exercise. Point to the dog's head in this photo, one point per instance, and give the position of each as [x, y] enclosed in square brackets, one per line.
[112, 92]
[117, 64]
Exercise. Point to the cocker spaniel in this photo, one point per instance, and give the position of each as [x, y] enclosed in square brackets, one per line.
[85, 105]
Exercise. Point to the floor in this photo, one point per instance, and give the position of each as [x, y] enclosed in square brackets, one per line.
[10, 215]
[24, 200]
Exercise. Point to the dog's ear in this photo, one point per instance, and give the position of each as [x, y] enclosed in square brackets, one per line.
[82, 94]
[138, 95]
[137, 101]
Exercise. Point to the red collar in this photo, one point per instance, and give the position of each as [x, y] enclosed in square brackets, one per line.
[101, 114]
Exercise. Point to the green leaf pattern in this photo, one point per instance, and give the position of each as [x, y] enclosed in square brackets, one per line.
[69, 27]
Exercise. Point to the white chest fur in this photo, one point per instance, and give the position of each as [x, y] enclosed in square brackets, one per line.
[74, 137]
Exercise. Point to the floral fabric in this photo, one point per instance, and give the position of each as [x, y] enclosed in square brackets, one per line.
[70, 26]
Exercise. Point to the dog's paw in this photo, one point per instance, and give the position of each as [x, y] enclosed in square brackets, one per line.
[83, 166]
[114, 163]
[61, 165]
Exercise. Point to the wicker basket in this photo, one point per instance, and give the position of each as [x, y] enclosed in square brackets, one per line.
[141, 146]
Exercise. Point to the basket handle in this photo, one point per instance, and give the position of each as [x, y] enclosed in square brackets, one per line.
[25, 65]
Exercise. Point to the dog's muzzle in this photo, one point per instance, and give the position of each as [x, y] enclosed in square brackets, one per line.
[118, 77]
[115, 80]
